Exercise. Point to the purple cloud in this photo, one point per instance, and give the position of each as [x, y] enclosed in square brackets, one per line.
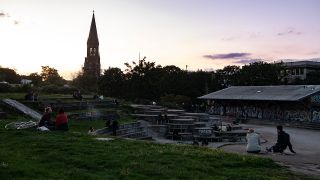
[246, 61]
[290, 31]
[3, 14]
[227, 56]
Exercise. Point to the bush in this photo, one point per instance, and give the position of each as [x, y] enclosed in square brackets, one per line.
[54, 89]
[5, 88]
[175, 101]
[23, 89]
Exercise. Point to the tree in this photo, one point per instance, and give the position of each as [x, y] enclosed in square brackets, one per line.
[86, 82]
[260, 74]
[9, 75]
[35, 78]
[228, 76]
[111, 83]
[142, 79]
[51, 76]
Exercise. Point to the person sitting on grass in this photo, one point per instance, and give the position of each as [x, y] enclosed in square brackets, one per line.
[91, 130]
[282, 143]
[253, 142]
[46, 119]
[62, 121]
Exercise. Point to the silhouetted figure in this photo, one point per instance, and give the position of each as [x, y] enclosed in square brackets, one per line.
[204, 142]
[115, 126]
[108, 123]
[116, 102]
[283, 142]
[160, 118]
[166, 119]
[90, 130]
[95, 97]
[175, 134]
[195, 143]
[35, 96]
[215, 127]
[228, 128]
[29, 96]
[77, 95]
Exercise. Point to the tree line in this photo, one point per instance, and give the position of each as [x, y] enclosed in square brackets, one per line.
[145, 80]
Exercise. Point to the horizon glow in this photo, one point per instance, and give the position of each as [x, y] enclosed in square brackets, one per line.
[36, 33]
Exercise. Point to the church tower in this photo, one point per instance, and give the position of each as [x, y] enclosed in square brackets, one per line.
[92, 61]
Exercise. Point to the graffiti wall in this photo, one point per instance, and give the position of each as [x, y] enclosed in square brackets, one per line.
[270, 113]
[316, 116]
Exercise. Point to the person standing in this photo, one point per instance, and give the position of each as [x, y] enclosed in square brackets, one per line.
[253, 142]
[114, 126]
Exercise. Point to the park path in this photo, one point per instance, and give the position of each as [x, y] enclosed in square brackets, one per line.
[305, 142]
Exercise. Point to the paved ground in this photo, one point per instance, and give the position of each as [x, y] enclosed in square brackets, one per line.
[305, 142]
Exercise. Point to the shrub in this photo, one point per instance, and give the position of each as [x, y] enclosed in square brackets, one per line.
[5, 88]
[54, 89]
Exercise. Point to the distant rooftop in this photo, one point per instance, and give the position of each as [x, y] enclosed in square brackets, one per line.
[264, 93]
[315, 62]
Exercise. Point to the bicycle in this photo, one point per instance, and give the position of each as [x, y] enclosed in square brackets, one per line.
[21, 125]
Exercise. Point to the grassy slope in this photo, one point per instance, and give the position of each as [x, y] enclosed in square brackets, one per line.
[76, 155]
[32, 154]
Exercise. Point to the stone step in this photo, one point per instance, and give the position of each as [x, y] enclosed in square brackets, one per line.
[135, 134]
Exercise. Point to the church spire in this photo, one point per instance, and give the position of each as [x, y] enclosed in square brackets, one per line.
[92, 61]
[93, 35]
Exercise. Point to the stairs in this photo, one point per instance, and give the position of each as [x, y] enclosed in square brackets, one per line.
[133, 130]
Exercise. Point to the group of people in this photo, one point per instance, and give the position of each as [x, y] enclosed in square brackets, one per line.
[162, 119]
[283, 141]
[77, 95]
[61, 122]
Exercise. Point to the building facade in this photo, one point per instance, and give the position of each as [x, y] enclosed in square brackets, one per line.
[92, 65]
[300, 69]
[292, 103]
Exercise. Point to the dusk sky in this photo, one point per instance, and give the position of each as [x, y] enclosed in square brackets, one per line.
[203, 34]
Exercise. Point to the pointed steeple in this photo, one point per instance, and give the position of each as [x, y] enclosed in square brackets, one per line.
[93, 35]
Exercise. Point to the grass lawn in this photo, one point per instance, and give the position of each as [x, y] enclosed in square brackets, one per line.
[30, 154]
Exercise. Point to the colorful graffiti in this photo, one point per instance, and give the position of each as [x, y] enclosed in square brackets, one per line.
[316, 116]
[266, 113]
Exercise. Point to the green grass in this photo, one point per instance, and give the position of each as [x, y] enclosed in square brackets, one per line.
[31, 154]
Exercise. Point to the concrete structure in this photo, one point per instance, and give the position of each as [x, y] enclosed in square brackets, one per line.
[298, 103]
[300, 69]
[92, 65]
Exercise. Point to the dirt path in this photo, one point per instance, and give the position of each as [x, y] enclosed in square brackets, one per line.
[305, 142]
